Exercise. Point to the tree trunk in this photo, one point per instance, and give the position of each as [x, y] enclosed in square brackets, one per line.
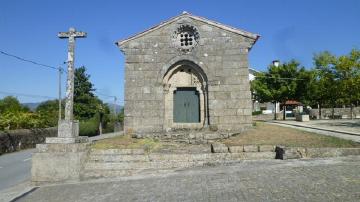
[319, 107]
[100, 124]
[275, 111]
[284, 112]
[100, 129]
[351, 111]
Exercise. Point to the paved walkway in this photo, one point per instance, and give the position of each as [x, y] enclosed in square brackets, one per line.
[335, 179]
[105, 136]
[15, 168]
[346, 129]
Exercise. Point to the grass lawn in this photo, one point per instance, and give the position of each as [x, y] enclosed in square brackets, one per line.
[260, 134]
[266, 134]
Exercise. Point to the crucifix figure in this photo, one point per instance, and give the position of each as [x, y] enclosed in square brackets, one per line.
[71, 35]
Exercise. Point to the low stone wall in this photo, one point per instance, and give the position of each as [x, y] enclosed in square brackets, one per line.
[112, 163]
[302, 152]
[326, 113]
[15, 140]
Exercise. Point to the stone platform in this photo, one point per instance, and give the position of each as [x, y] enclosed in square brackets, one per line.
[112, 163]
[54, 163]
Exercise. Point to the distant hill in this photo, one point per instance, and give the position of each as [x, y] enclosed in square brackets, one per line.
[32, 105]
[118, 108]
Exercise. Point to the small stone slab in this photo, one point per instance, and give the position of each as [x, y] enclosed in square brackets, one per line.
[219, 148]
[266, 148]
[236, 149]
[66, 140]
[289, 152]
[56, 148]
[212, 136]
[251, 148]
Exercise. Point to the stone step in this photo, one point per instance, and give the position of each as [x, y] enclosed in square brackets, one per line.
[118, 151]
[174, 158]
[155, 157]
[107, 165]
[91, 174]
[139, 165]
[99, 173]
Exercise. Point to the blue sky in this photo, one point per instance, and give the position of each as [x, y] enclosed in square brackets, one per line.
[289, 29]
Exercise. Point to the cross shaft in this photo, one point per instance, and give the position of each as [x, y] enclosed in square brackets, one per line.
[71, 35]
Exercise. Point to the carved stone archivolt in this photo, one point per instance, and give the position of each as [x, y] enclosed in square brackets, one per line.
[180, 76]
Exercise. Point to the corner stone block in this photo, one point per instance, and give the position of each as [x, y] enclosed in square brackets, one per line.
[236, 149]
[251, 148]
[266, 148]
[219, 148]
[68, 129]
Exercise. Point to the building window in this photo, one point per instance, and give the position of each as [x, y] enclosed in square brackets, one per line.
[186, 37]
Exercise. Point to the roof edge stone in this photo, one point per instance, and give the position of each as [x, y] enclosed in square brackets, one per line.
[202, 19]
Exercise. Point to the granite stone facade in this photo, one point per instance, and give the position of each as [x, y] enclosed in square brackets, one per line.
[189, 52]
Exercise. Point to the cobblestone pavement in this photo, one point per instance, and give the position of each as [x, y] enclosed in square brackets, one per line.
[335, 179]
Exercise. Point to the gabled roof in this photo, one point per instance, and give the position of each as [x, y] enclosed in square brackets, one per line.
[253, 71]
[204, 20]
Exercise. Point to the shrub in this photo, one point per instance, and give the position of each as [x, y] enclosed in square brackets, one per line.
[256, 113]
[20, 120]
[89, 127]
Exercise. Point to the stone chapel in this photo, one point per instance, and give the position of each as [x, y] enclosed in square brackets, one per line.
[187, 74]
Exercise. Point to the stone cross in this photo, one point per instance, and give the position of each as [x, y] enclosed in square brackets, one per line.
[69, 104]
[68, 129]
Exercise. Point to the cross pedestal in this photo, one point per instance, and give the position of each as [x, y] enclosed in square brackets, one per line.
[68, 132]
[61, 158]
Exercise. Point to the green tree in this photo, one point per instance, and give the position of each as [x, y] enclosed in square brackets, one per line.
[86, 104]
[49, 112]
[88, 108]
[278, 84]
[11, 104]
[15, 116]
[338, 80]
[348, 75]
[325, 89]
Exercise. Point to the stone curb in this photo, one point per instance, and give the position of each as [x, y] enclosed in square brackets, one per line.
[222, 148]
[317, 128]
[302, 152]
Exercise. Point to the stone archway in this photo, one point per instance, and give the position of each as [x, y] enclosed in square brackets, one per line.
[189, 80]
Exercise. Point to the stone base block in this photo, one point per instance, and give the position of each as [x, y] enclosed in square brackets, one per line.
[66, 140]
[251, 148]
[68, 129]
[219, 148]
[236, 149]
[53, 163]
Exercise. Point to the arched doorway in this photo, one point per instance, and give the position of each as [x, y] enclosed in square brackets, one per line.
[185, 96]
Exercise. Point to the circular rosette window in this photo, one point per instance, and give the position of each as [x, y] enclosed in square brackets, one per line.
[186, 37]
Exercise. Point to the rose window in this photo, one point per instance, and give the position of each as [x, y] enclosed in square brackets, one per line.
[186, 37]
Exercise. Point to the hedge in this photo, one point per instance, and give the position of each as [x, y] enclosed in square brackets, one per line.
[14, 140]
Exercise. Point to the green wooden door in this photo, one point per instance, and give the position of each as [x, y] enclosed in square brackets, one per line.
[186, 105]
